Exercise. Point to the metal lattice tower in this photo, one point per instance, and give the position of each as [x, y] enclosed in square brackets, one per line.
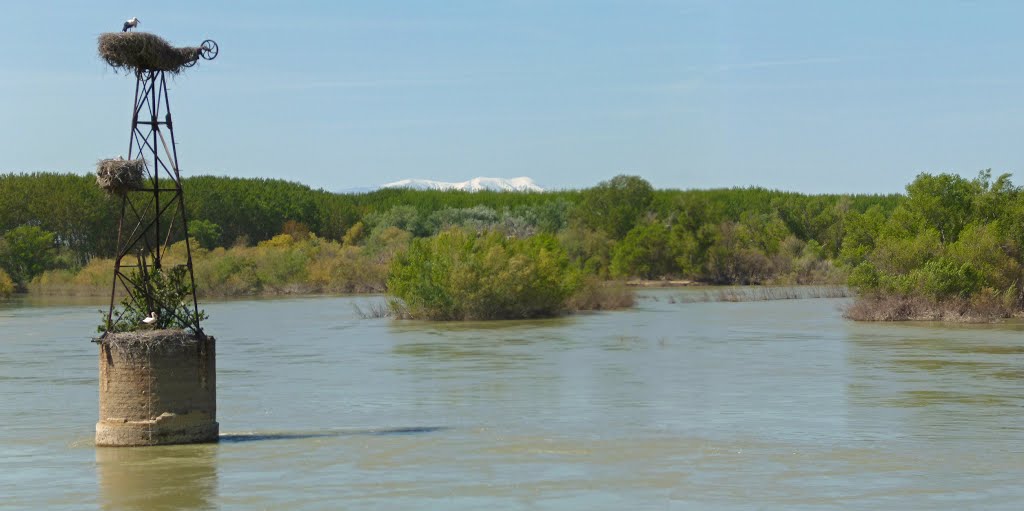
[153, 217]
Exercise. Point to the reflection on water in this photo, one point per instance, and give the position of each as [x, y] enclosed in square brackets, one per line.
[260, 437]
[671, 405]
[157, 478]
[934, 385]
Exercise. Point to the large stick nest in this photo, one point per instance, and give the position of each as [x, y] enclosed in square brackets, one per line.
[142, 51]
[148, 343]
[117, 175]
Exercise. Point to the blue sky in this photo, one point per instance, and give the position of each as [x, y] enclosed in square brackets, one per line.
[809, 96]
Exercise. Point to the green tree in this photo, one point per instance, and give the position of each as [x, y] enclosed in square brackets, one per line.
[404, 217]
[25, 252]
[645, 252]
[588, 250]
[733, 258]
[615, 206]
[944, 202]
[477, 218]
[861, 235]
[207, 233]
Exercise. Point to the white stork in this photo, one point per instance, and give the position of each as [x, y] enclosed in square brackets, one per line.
[149, 320]
[132, 23]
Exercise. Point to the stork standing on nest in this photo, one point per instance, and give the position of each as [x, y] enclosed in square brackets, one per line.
[132, 23]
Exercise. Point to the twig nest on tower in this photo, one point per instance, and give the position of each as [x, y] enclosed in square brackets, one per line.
[117, 175]
[142, 51]
[148, 342]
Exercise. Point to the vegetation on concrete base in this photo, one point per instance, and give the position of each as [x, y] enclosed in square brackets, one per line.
[167, 292]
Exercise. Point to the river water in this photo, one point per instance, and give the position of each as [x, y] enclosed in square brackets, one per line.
[671, 405]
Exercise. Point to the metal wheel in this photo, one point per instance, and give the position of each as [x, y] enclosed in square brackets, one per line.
[209, 49]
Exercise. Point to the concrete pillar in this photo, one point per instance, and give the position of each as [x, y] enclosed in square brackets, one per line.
[157, 387]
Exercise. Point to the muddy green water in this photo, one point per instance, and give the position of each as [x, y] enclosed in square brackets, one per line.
[768, 405]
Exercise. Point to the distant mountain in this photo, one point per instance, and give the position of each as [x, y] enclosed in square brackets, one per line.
[516, 184]
[359, 189]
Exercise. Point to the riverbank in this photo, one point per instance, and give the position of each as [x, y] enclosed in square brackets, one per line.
[662, 283]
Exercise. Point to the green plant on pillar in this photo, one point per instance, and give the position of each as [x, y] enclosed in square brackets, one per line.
[167, 292]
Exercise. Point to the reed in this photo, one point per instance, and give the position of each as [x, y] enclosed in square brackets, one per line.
[373, 310]
[765, 293]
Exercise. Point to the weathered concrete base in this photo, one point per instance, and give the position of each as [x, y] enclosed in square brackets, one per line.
[157, 387]
[168, 428]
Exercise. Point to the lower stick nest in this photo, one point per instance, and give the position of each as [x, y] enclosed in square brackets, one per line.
[143, 344]
[117, 175]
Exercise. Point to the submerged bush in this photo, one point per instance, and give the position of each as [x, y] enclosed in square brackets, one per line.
[459, 275]
[950, 253]
[596, 294]
[987, 305]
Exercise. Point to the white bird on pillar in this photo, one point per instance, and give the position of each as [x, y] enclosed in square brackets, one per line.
[132, 23]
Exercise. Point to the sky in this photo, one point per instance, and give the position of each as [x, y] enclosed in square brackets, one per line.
[806, 96]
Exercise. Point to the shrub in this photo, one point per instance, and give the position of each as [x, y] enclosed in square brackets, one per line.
[26, 251]
[347, 269]
[942, 278]
[590, 251]
[645, 252]
[6, 284]
[459, 275]
[165, 292]
[615, 206]
[985, 306]
[864, 278]
[478, 218]
[206, 233]
[596, 294]
[225, 272]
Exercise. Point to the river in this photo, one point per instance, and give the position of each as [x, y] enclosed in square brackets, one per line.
[670, 405]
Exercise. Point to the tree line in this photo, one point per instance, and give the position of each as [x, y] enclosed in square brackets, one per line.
[620, 228]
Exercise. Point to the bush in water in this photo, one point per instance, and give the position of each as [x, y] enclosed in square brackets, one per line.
[460, 275]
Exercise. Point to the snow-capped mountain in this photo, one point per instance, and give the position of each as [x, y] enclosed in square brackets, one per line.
[516, 184]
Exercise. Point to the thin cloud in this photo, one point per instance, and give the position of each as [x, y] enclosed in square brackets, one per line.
[374, 84]
[306, 83]
[695, 82]
[778, 63]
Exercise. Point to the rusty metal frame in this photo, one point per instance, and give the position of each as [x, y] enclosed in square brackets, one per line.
[146, 228]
